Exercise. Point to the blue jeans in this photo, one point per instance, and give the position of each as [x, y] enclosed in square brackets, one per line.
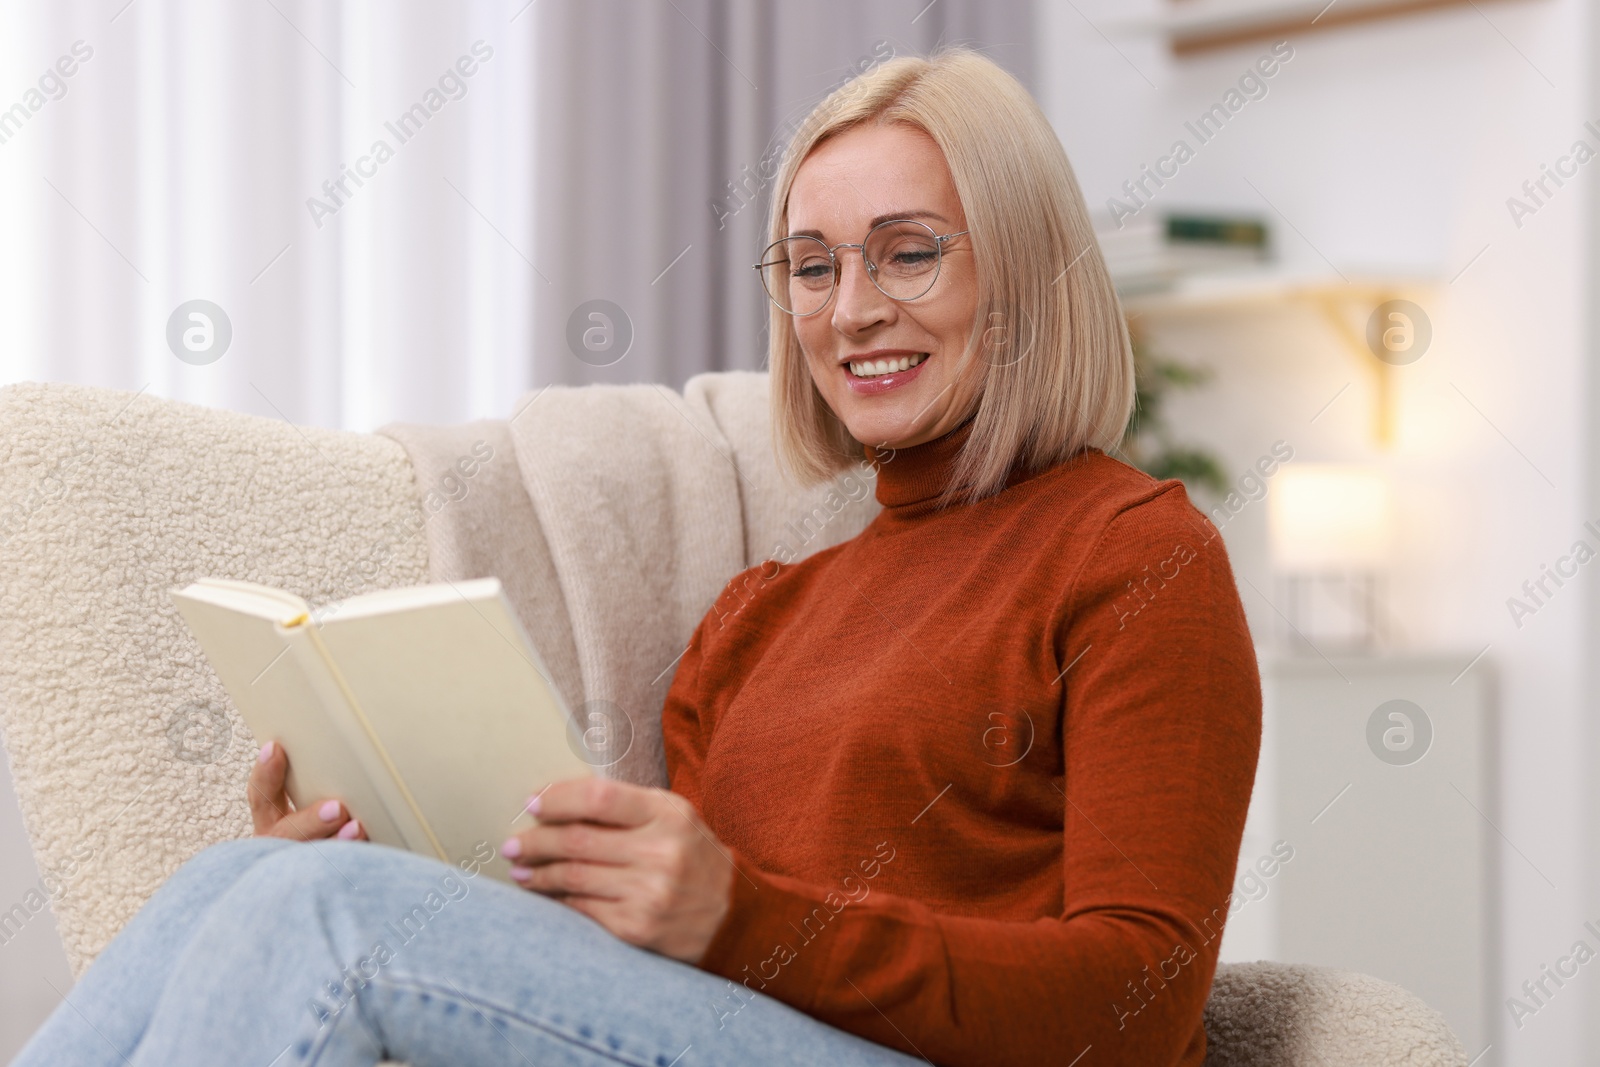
[266, 953]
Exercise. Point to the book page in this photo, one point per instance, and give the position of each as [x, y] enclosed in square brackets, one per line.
[463, 707]
[281, 688]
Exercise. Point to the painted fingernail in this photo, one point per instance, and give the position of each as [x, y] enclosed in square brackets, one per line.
[533, 805]
[522, 874]
[265, 753]
[511, 849]
[349, 830]
[329, 810]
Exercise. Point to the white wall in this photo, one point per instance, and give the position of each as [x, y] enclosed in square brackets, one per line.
[1393, 146]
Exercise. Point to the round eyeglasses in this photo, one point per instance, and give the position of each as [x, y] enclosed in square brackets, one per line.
[902, 258]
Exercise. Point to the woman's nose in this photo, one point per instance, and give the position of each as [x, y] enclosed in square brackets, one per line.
[858, 303]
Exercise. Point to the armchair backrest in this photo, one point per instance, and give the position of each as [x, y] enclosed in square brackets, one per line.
[126, 758]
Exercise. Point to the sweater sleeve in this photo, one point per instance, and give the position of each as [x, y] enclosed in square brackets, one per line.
[1161, 707]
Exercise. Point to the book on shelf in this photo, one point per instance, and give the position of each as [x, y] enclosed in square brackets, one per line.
[1153, 251]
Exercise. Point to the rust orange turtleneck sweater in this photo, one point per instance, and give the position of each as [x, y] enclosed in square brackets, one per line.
[983, 770]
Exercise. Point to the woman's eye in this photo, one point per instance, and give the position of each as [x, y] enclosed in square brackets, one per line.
[811, 271]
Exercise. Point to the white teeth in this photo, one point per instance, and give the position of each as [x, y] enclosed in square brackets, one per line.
[867, 368]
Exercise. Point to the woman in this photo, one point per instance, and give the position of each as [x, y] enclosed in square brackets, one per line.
[967, 788]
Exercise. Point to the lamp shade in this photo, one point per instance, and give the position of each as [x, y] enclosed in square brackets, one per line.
[1327, 517]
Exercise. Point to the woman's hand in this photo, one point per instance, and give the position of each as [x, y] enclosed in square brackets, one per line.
[275, 817]
[638, 861]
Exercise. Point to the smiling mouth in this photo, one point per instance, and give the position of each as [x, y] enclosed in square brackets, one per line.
[874, 368]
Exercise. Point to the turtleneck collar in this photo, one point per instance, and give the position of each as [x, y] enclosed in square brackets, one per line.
[919, 474]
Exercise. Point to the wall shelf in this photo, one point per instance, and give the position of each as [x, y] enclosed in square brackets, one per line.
[1344, 305]
[1203, 25]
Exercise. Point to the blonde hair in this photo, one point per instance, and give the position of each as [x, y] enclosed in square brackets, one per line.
[1037, 261]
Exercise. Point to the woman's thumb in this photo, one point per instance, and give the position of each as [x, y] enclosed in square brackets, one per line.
[268, 802]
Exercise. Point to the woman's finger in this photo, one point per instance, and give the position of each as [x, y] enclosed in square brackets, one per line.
[601, 800]
[352, 831]
[585, 841]
[574, 880]
[268, 802]
[327, 818]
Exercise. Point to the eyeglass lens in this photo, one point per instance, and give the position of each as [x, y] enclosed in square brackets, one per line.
[902, 261]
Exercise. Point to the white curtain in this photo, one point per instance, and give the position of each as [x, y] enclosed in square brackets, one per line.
[401, 207]
[181, 161]
[661, 125]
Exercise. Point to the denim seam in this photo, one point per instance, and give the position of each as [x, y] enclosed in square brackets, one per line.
[485, 1006]
[328, 1030]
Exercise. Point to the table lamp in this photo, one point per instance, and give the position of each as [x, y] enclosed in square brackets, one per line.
[1330, 528]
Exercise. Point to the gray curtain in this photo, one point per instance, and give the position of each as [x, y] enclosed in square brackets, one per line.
[653, 123]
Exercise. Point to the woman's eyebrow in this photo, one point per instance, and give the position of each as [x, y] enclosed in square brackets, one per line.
[880, 219]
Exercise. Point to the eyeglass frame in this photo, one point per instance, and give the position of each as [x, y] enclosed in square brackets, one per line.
[872, 268]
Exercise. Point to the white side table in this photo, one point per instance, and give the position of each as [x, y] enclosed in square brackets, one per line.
[1378, 774]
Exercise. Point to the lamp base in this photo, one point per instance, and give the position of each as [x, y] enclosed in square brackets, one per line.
[1325, 613]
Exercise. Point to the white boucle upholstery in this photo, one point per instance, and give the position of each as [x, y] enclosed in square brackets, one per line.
[1281, 1015]
[127, 759]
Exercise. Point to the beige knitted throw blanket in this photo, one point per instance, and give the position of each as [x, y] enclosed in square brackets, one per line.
[614, 516]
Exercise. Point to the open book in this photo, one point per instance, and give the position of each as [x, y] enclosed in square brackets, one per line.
[425, 709]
